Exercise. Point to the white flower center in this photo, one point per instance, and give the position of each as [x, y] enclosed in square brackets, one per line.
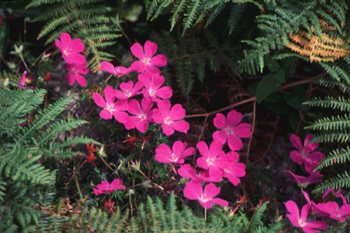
[151, 92]
[203, 198]
[110, 108]
[228, 130]
[168, 121]
[146, 60]
[174, 158]
[142, 116]
[210, 161]
[301, 223]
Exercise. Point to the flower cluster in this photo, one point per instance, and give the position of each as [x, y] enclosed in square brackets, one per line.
[72, 50]
[122, 103]
[306, 154]
[213, 162]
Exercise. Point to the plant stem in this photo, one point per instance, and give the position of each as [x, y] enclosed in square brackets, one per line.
[78, 186]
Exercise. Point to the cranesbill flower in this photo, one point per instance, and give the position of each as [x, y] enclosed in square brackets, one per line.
[188, 172]
[148, 61]
[153, 86]
[231, 129]
[75, 72]
[105, 187]
[171, 118]
[128, 90]
[211, 158]
[300, 220]
[140, 114]
[71, 49]
[115, 70]
[233, 170]
[207, 197]
[110, 107]
[176, 155]
[305, 154]
[305, 181]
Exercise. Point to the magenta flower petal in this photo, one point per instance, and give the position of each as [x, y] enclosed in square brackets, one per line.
[234, 117]
[220, 121]
[150, 48]
[137, 50]
[159, 60]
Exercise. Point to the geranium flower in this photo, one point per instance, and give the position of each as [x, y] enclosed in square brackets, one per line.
[176, 155]
[147, 61]
[140, 114]
[306, 153]
[300, 220]
[206, 198]
[75, 72]
[211, 158]
[233, 170]
[111, 108]
[188, 172]
[105, 187]
[231, 129]
[71, 49]
[171, 118]
[330, 209]
[305, 181]
[153, 86]
[115, 70]
[128, 90]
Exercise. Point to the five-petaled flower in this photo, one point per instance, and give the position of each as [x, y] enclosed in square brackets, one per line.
[71, 49]
[115, 70]
[176, 155]
[207, 198]
[105, 187]
[147, 61]
[212, 158]
[75, 72]
[304, 181]
[171, 118]
[140, 114]
[305, 154]
[110, 107]
[233, 170]
[153, 86]
[128, 90]
[300, 220]
[231, 129]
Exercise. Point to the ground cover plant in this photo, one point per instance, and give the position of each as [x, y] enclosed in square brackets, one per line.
[174, 116]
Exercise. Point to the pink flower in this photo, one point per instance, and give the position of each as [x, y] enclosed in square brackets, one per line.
[304, 181]
[105, 187]
[211, 158]
[176, 155]
[118, 70]
[71, 49]
[111, 108]
[231, 130]
[233, 170]
[330, 209]
[153, 86]
[147, 61]
[22, 80]
[206, 198]
[305, 154]
[188, 172]
[128, 90]
[140, 114]
[171, 118]
[74, 74]
[300, 220]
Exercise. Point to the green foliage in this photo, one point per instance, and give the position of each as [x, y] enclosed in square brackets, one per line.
[24, 150]
[191, 58]
[333, 128]
[153, 216]
[194, 12]
[91, 20]
[284, 18]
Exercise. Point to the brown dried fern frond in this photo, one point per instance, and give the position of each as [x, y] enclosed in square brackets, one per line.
[318, 48]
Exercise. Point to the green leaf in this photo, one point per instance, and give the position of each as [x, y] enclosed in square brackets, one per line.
[269, 84]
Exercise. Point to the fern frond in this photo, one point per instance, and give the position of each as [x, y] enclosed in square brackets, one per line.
[340, 181]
